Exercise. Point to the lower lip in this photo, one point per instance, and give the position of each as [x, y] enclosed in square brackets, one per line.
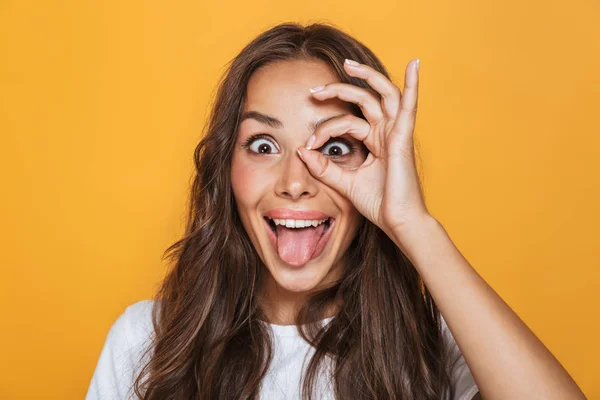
[321, 244]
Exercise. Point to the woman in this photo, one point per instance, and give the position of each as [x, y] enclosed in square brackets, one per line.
[308, 240]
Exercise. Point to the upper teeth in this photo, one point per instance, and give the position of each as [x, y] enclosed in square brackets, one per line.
[298, 223]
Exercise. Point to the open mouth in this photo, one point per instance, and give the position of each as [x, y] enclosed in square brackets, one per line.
[298, 241]
[297, 224]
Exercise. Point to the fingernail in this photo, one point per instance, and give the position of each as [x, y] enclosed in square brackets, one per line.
[317, 88]
[351, 62]
[300, 154]
[311, 141]
[418, 63]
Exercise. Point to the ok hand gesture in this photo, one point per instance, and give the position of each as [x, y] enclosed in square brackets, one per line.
[385, 188]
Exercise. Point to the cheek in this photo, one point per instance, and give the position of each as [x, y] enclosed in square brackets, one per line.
[354, 218]
[248, 182]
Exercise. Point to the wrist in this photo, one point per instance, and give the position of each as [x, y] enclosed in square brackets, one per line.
[412, 235]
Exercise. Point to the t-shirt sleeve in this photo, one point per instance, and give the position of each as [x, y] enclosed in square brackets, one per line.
[120, 359]
[462, 379]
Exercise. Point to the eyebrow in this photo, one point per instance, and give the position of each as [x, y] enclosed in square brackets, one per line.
[277, 124]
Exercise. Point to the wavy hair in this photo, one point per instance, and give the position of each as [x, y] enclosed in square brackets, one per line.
[210, 340]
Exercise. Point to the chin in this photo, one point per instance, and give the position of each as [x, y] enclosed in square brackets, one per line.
[298, 281]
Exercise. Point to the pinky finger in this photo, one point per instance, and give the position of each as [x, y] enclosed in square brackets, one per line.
[405, 123]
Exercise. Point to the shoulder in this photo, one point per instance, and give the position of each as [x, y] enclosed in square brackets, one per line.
[464, 384]
[124, 352]
[137, 319]
[133, 326]
[133, 330]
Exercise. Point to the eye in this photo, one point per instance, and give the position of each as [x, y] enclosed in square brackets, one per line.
[337, 148]
[261, 144]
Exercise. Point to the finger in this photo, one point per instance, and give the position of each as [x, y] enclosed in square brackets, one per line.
[327, 171]
[350, 124]
[390, 93]
[366, 99]
[405, 124]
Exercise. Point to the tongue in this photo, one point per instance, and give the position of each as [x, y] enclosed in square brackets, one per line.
[297, 245]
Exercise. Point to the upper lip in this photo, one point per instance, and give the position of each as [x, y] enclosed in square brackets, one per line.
[286, 213]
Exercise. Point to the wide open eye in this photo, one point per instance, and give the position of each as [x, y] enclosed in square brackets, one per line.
[337, 148]
[261, 145]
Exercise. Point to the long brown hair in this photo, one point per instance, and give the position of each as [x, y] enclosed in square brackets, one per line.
[210, 341]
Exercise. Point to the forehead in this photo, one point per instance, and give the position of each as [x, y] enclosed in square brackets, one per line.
[281, 89]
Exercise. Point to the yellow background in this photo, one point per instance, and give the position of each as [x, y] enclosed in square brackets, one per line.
[102, 103]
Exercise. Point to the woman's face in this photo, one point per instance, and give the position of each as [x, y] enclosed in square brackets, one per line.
[300, 227]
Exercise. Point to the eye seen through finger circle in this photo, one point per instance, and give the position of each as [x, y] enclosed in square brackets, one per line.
[337, 148]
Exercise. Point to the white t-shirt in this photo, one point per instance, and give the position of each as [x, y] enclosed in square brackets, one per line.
[129, 336]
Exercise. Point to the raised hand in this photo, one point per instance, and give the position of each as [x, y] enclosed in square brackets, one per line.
[385, 188]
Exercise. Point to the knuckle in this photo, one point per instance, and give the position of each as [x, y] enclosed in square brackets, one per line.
[360, 100]
[348, 118]
[408, 110]
[346, 121]
[394, 92]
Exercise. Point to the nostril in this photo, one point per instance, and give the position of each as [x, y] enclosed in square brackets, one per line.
[303, 194]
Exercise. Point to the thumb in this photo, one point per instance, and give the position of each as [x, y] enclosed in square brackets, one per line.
[326, 171]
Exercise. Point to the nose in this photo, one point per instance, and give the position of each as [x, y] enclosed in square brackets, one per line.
[295, 181]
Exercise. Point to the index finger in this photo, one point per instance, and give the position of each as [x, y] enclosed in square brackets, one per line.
[349, 124]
